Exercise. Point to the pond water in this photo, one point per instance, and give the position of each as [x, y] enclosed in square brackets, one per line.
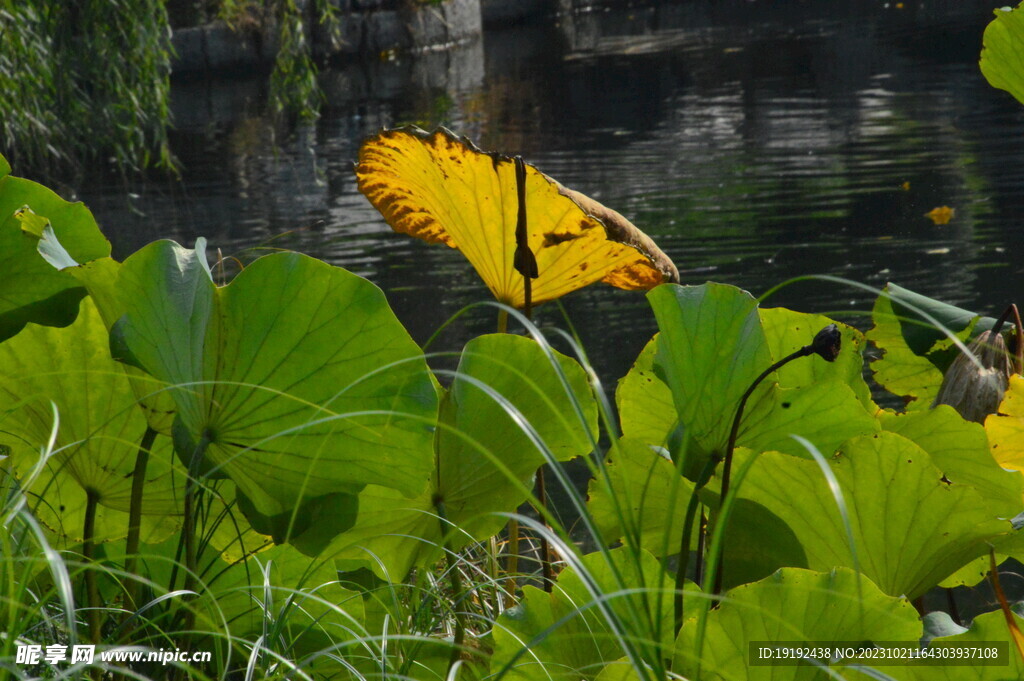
[755, 142]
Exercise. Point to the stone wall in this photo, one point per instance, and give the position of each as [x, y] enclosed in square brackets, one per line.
[366, 27]
[498, 13]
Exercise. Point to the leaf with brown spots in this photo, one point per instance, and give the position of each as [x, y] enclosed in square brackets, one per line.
[441, 188]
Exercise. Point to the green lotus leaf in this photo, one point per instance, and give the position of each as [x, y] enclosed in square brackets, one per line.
[921, 334]
[896, 497]
[914, 352]
[1001, 61]
[100, 279]
[686, 385]
[300, 595]
[296, 376]
[564, 635]
[960, 449]
[481, 434]
[30, 289]
[643, 498]
[644, 400]
[710, 349]
[619, 670]
[822, 401]
[485, 461]
[5, 167]
[1010, 545]
[792, 605]
[310, 526]
[826, 414]
[788, 331]
[99, 431]
[986, 629]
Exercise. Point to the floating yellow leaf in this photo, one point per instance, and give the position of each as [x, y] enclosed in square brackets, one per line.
[905, 186]
[1006, 427]
[441, 188]
[941, 215]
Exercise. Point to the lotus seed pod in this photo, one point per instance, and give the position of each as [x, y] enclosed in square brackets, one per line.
[976, 392]
[827, 343]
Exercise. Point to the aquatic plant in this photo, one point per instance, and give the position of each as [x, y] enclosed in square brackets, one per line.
[84, 82]
[269, 471]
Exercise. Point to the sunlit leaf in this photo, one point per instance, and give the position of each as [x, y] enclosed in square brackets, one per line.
[826, 414]
[985, 631]
[98, 436]
[644, 504]
[941, 215]
[30, 289]
[646, 408]
[280, 589]
[484, 459]
[1001, 52]
[914, 351]
[711, 348]
[440, 188]
[896, 497]
[792, 605]
[564, 635]
[960, 450]
[713, 344]
[100, 279]
[644, 499]
[1006, 427]
[787, 331]
[297, 373]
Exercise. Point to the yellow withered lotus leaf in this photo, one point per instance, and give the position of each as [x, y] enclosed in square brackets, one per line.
[441, 188]
[1006, 428]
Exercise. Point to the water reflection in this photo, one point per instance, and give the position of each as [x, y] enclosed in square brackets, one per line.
[755, 142]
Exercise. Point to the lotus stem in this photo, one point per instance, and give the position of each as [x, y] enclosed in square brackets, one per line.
[826, 344]
[189, 520]
[455, 580]
[547, 571]
[683, 562]
[135, 515]
[1004, 605]
[702, 538]
[512, 564]
[1011, 311]
[954, 611]
[92, 590]
[525, 262]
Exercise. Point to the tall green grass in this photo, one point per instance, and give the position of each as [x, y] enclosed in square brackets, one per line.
[439, 622]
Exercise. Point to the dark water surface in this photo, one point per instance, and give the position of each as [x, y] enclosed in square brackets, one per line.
[755, 141]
